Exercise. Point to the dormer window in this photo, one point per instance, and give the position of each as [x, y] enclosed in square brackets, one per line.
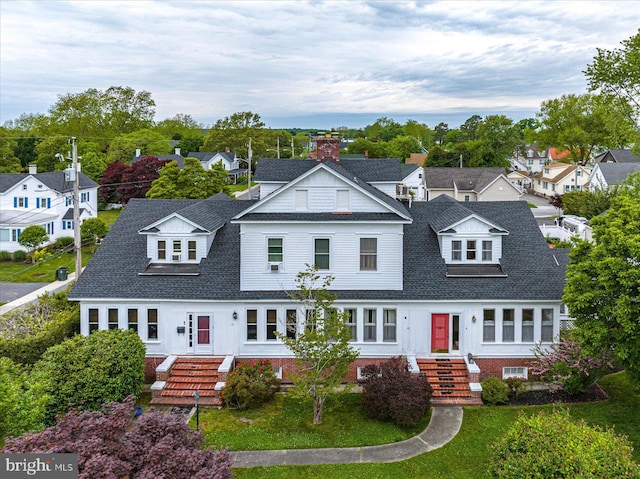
[192, 250]
[487, 248]
[530, 154]
[176, 255]
[162, 249]
[471, 250]
[456, 250]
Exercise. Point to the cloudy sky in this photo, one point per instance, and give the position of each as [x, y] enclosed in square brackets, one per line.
[308, 64]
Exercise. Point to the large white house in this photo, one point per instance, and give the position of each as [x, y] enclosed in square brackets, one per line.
[472, 283]
[44, 199]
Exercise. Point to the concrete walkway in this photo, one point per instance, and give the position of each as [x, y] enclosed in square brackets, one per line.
[444, 425]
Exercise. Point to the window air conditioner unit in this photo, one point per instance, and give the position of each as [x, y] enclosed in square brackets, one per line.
[274, 267]
[176, 257]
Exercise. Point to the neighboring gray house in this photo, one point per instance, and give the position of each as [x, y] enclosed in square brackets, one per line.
[619, 155]
[470, 184]
[606, 175]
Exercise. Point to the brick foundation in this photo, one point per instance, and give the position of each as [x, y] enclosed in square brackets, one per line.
[493, 366]
[150, 365]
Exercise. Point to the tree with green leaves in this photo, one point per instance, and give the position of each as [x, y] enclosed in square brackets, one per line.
[32, 237]
[93, 229]
[419, 131]
[586, 203]
[497, 138]
[178, 126]
[583, 123]
[383, 129]
[321, 348]
[402, 146]
[616, 73]
[190, 182]
[470, 127]
[373, 149]
[234, 132]
[149, 142]
[9, 162]
[603, 281]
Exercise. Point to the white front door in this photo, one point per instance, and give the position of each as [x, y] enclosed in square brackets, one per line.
[200, 334]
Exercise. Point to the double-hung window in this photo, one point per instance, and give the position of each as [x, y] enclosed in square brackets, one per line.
[94, 324]
[113, 318]
[486, 250]
[527, 325]
[191, 245]
[152, 323]
[471, 249]
[177, 248]
[456, 250]
[370, 325]
[368, 254]
[132, 319]
[274, 246]
[162, 249]
[272, 324]
[508, 325]
[546, 333]
[252, 324]
[351, 320]
[321, 253]
[292, 323]
[489, 326]
[389, 325]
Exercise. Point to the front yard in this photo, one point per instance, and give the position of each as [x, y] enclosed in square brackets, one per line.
[285, 423]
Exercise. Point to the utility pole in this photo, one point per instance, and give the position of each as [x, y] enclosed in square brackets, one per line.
[250, 155]
[278, 150]
[76, 207]
[292, 153]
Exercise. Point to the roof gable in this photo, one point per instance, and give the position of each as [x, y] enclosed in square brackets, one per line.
[453, 214]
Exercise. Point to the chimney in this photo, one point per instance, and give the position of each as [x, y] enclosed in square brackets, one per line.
[177, 151]
[328, 148]
[137, 151]
[226, 149]
[33, 169]
[366, 153]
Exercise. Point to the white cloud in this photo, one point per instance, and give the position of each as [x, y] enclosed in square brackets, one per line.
[299, 59]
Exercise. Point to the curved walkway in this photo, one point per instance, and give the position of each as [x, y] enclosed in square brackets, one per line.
[444, 425]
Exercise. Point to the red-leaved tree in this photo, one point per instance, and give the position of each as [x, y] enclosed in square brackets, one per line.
[137, 178]
[110, 181]
[111, 443]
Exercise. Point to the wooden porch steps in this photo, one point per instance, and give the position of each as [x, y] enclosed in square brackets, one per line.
[449, 380]
[187, 376]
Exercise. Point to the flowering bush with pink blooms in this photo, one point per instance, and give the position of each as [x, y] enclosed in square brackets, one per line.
[565, 365]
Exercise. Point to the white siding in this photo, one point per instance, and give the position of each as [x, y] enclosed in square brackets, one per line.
[298, 242]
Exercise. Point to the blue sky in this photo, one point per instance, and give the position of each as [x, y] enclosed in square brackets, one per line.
[308, 64]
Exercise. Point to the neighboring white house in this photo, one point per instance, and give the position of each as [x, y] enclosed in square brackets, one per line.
[561, 178]
[44, 199]
[470, 184]
[439, 279]
[412, 186]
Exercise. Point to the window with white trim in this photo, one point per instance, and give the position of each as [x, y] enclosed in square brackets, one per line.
[351, 320]
[152, 323]
[162, 249]
[368, 254]
[508, 325]
[370, 325]
[489, 326]
[252, 324]
[487, 250]
[527, 325]
[132, 319]
[272, 324]
[292, 323]
[321, 253]
[471, 249]
[389, 325]
[191, 250]
[456, 250]
[515, 372]
[94, 320]
[113, 318]
[274, 250]
[546, 333]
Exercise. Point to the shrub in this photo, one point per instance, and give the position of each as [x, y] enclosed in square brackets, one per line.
[110, 443]
[250, 385]
[26, 333]
[19, 255]
[516, 385]
[5, 255]
[494, 391]
[391, 392]
[565, 365]
[87, 371]
[553, 445]
[64, 241]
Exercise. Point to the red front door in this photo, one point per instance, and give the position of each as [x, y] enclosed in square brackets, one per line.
[439, 333]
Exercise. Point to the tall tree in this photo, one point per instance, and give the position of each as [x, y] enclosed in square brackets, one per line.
[617, 73]
[149, 142]
[582, 123]
[441, 130]
[178, 126]
[419, 131]
[384, 129]
[497, 137]
[470, 127]
[111, 180]
[373, 149]
[402, 147]
[190, 182]
[9, 162]
[603, 281]
[234, 132]
[321, 348]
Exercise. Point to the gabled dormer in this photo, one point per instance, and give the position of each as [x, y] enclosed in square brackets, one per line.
[470, 245]
[177, 243]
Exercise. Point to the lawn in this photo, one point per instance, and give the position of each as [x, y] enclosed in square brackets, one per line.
[286, 423]
[467, 454]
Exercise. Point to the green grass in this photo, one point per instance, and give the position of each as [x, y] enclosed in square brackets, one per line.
[42, 272]
[531, 205]
[239, 187]
[286, 423]
[109, 216]
[466, 456]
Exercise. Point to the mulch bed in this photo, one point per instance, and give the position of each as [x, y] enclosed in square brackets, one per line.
[542, 397]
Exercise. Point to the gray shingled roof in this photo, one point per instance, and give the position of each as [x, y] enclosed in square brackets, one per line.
[614, 173]
[618, 155]
[371, 171]
[452, 213]
[52, 179]
[466, 179]
[407, 169]
[532, 271]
